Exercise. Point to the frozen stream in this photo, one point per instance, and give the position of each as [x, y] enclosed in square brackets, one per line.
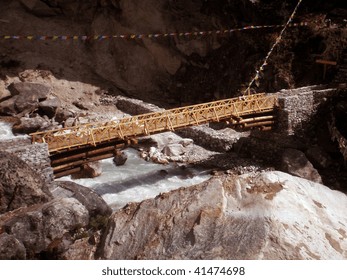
[138, 180]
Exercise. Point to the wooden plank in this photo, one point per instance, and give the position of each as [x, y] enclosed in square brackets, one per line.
[326, 62]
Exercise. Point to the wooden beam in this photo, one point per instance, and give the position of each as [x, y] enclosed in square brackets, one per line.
[326, 62]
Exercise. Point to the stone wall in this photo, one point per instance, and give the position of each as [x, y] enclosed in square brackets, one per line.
[35, 155]
[298, 108]
[296, 120]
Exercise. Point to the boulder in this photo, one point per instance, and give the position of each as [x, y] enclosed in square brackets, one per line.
[11, 248]
[186, 142]
[295, 163]
[89, 170]
[20, 186]
[70, 122]
[46, 228]
[120, 158]
[49, 107]
[39, 91]
[28, 95]
[4, 93]
[271, 215]
[26, 104]
[95, 205]
[82, 105]
[81, 249]
[7, 107]
[63, 114]
[173, 150]
[30, 125]
[156, 156]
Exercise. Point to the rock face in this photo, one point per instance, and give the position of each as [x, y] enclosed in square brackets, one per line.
[295, 162]
[45, 228]
[19, 186]
[38, 223]
[266, 216]
[95, 205]
[11, 248]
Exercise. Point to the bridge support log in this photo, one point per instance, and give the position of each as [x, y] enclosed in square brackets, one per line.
[70, 162]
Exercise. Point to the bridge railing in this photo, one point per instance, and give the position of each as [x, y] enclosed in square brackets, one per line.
[145, 124]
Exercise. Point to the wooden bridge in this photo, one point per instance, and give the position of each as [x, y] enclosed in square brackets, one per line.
[70, 148]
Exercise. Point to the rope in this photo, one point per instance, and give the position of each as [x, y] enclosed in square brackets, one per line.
[142, 36]
[278, 40]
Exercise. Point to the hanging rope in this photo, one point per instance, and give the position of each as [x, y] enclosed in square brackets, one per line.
[278, 40]
[190, 35]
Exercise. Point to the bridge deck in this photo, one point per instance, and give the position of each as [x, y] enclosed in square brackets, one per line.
[93, 134]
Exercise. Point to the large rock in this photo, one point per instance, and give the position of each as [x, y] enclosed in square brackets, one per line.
[11, 248]
[49, 107]
[7, 107]
[89, 170]
[95, 205]
[120, 158]
[40, 91]
[173, 150]
[30, 125]
[63, 114]
[295, 163]
[47, 228]
[271, 215]
[20, 186]
[28, 95]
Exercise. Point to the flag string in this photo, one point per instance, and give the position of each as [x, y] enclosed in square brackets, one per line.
[142, 36]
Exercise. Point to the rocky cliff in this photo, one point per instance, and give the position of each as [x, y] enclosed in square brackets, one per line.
[184, 68]
[39, 223]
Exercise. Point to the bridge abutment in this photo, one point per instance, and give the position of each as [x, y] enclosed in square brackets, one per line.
[299, 107]
[35, 155]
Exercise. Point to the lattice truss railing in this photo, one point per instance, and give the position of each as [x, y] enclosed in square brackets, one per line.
[146, 124]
